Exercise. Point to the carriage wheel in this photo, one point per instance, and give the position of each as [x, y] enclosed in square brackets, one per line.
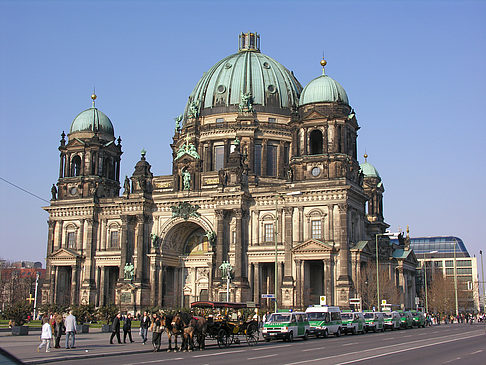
[252, 335]
[223, 339]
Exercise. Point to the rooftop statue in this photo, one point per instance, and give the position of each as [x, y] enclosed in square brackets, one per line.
[178, 121]
[246, 103]
[186, 179]
[193, 111]
[128, 271]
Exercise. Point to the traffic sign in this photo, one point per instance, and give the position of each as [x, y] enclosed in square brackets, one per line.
[322, 300]
[269, 296]
[354, 300]
[383, 302]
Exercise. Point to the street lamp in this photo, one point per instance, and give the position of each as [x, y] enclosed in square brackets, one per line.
[455, 276]
[425, 281]
[275, 233]
[386, 234]
[226, 269]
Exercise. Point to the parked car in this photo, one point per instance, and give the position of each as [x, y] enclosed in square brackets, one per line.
[392, 320]
[418, 319]
[374, 321]
[406, 319]
[352, 322]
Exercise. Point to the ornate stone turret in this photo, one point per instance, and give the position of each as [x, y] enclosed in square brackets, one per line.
[90, 160]
[142, 177]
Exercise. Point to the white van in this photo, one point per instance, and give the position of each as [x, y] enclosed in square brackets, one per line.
[324, 320]
[286, 326]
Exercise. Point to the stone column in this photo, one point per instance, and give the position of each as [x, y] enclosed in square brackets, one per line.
[280, 160]
[255, 222]
[343, 279]
[139, 247]
[102, 286]
[219, 237]
[82, 245]
[288, 279]
[238, 246]
[90, 231]
[160, 284]
[74, 284]
[53, 287]
[50, 237]
[123, 246]
[58, 236]
[264, 157]
[325, 272]
[301, 224]
[153, 275]
[104, 244]
[300, 286]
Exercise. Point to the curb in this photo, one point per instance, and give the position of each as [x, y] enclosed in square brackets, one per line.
[82, 356]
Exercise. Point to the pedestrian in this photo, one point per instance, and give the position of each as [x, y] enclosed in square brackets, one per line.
[127, 328]
[70, 325]
[156, 332]
[59, 330]
[45, 335]
[144, 326]
[115, 329]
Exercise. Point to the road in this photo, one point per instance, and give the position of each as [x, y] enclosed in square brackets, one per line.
[444, 344]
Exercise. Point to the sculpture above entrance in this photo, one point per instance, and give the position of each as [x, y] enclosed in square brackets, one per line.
[185, 210]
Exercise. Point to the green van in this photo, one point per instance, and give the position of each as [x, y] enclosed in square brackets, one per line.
[352, 322]
[374, 321]
[393, 320]
[286, 326]
[324, 320]
[406, 320]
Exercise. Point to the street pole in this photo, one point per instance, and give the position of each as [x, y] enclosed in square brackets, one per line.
[276, 251]
[482, 281]
[377, 274]
[35, 293]
[455, 278]
[425, 284]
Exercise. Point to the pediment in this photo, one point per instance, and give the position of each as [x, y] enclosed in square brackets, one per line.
[314, 114]
[312, 245]
[64, 253]
[362, 246]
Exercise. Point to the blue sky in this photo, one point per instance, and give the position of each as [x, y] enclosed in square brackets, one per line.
[414, 72]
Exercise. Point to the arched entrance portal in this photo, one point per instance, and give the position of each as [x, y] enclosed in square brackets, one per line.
[187, 265]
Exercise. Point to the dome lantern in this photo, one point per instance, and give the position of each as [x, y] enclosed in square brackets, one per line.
[249, 42]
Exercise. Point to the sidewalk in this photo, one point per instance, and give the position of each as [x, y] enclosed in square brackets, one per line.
[88, 345]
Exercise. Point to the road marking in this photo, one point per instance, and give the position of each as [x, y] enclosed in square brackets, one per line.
[390, 353]
[313, 349]
[270, 347]
[349, 344]
[154, 361]
[390, 338]
[261, 357]
[218, 353]
[476, 352]
[408, 336]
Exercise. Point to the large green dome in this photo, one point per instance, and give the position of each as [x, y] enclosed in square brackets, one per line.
[273, 88]
[323, 89]
[92, 120]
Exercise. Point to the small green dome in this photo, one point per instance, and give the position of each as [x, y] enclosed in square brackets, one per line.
[92, 120]
[369, 170]
[323, 89]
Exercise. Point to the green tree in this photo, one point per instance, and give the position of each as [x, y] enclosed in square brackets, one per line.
[18, 312]
[107, 312]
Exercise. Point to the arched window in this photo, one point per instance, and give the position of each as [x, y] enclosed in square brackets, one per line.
[76, 166]
[315, 144]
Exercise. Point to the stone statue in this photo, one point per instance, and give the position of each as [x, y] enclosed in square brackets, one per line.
[211, 235]
[128, 271]
[155, 240]
[193, 109]
[290, 174]
[223, 177]
[126, 186]
[246, 104]
[178, 121]
[54, 192]
[186, 180]
[192, 151]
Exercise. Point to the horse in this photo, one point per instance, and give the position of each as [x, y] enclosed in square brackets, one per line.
[173, 327]
[194, 327]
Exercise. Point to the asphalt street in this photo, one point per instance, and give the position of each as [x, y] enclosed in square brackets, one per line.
[444, 344]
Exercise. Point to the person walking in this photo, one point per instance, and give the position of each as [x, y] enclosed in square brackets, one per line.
[127, 328]
[156, 332]
[59, 329]
[144, 326]
[45, 335]
[115, 329]
[70, 325]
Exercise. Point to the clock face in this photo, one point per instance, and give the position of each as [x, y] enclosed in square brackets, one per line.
[73, 190]
[316, 171]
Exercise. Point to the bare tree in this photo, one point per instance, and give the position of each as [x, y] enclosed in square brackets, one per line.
[367, 286]
[440, 293]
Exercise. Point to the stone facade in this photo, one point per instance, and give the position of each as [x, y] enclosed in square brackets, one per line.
[262, 187]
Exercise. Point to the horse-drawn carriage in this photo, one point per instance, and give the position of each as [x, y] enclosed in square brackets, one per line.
[226, 327]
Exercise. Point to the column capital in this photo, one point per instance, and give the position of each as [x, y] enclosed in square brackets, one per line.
[238, 212]
[219, 213]
[51, 223]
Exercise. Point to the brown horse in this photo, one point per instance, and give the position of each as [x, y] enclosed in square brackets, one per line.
[174, 327]
[195, 328]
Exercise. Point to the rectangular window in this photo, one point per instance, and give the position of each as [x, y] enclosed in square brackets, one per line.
[218, 161]
[272, 120]
[71, 240]
[449, 271]
[449, 263]
[316, 229]
[438, 263]
[464, 271]
[271, 160]
[219, 120]
[463, 263]
[114, 239]
[257, 159]
[268, 231]
[286, 155]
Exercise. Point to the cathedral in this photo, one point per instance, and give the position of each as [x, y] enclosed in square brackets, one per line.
[266, 189]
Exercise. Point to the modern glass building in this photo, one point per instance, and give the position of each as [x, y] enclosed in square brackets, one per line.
[437, 254]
